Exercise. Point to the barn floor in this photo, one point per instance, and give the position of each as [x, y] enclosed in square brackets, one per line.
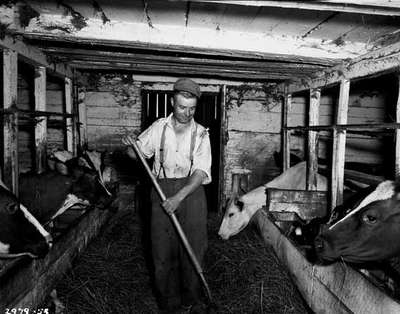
[111, 275]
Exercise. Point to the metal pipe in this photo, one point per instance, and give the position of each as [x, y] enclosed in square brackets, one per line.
[175, 222]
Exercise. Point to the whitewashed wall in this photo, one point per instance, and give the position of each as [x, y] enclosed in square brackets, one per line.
[253, 127]
[114, 107]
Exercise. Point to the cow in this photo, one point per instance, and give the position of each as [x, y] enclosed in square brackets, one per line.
[240, 210]
[20, 233]
[73, 181]
[368, 232]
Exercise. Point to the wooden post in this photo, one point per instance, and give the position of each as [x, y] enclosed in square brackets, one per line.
[223, 139]
[397, 133]
[41, 122]
[285, 133]
[339, 145]
[10, 132]
[70, 125]
[312, 156]
[83, 125]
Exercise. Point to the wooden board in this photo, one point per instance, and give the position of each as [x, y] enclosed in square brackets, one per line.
[339, 146]
[335, 289]
[41, 125]
[312, 152]
[25, 283]
[70, 128]
[34, 56]
[306, 204]
[285, 149]
[397, 135]
[10, 125]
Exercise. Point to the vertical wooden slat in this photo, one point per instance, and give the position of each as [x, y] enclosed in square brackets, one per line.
[148, 104]
[285, 133]
[165, 105]
[312, 156]
[222, 143]
[83, 125]
[70, 126]
[41, 122]
[339, 145]
[10, 132]
[215, 106]
[397, 133]
[157, 103]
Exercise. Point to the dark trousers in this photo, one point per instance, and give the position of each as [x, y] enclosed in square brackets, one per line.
[175, 278]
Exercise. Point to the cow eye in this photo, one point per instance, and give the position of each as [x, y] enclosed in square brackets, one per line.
[12, 208]
[231, 214]
[370, 219]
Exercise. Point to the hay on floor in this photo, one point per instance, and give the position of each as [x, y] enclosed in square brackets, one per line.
[112, 275]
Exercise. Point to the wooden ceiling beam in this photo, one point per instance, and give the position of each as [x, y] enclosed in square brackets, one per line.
[371, 64]
[168, 70]
[373, 7]
[279, 72]
[129, 46]
[34, 56]
[70, 54]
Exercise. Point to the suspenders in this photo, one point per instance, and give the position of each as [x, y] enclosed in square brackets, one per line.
[162, 145]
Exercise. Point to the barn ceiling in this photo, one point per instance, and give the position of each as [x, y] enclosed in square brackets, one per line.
[258, 40]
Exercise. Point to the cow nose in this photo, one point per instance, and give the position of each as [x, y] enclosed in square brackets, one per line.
[319, 244]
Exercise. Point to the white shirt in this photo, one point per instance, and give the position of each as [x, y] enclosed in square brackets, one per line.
[177, 153]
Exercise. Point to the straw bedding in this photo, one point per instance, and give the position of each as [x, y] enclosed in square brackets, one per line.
[113, 276]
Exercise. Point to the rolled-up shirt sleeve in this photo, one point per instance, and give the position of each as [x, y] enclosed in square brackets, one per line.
[202, 158]
[146, 141]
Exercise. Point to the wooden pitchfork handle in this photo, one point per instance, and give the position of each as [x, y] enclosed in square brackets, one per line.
[175, 222]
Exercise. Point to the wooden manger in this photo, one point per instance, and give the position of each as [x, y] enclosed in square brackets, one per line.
[336, 288]
[25, 282]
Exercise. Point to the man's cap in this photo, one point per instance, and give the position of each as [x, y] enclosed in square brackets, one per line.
[187, 85]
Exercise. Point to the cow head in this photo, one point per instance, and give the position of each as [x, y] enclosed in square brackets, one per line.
[18, 235]
[368, 233]
[235, 219]
[239, 211]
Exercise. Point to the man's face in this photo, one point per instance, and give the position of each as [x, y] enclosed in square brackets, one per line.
[184, 108]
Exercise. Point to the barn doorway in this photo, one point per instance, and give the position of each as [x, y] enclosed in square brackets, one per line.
[157, 104]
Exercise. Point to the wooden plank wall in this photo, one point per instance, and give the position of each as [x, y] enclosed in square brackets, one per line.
[26, 100]
[370, 101]
[113, 103]
[254, 134]
[55, 102]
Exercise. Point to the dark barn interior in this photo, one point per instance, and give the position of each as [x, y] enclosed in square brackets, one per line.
[281, 82]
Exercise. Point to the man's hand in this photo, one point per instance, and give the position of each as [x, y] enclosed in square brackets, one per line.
[171, 204]
[128, 140]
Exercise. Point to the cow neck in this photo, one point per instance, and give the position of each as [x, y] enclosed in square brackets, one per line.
[179, 129]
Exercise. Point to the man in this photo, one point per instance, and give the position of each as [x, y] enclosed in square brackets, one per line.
[182, 164]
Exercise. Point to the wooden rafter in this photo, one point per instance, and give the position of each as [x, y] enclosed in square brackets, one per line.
[375, 7]
[52, 40]
[34, 56]
[371, 64]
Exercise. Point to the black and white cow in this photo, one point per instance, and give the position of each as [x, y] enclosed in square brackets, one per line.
[20, 232]
[369, 232]
[77, 180]
[72, 181]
